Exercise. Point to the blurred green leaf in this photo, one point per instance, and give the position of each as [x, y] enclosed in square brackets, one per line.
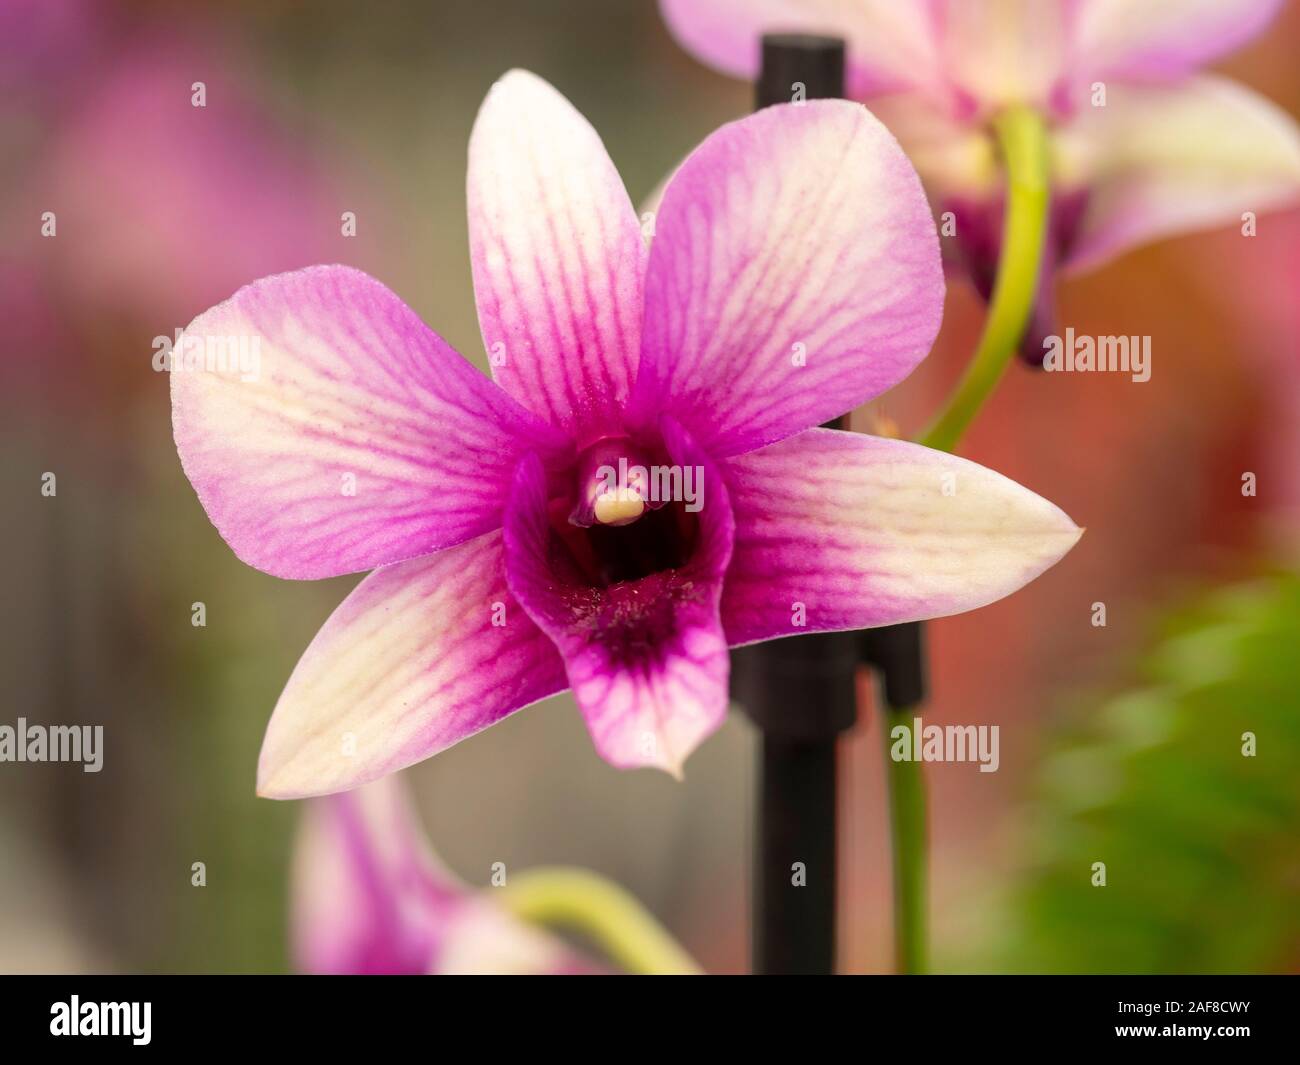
[1201, 843]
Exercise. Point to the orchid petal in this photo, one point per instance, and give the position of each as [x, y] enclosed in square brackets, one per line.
[997, 53]
[327, 430]
[836, 530]
[954, 157]
[421, 655]
[368, 896]
[557, 254]
[794, 274]
[1159, 160]
[646, 659]
[890, 45]
[1163, 38]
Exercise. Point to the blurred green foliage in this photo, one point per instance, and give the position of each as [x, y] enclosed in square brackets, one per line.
[1201, 842]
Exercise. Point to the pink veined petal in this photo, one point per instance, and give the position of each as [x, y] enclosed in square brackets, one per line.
[646, 659]
[863, 531]
[327, 430]
[421, 655]
[1162, 38]
[794, 274]
[557, 254]
[367, 894]
[891, 45]
[1164, 159]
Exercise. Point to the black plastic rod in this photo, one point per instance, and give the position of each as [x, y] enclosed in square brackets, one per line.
[799, 691]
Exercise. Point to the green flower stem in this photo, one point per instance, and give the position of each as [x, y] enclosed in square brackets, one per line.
[907, 828]
[1022, 138]
[583, 902]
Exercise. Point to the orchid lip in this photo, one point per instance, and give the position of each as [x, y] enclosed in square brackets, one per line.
[633, 609]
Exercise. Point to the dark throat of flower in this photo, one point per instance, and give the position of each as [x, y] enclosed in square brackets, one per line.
[611, 523]
[598, 556]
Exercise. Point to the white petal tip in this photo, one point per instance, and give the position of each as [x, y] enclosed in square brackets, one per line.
[516, 79]
[284, 782]
[275, 789]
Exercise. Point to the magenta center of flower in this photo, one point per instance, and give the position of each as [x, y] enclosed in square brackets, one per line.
[631, 513]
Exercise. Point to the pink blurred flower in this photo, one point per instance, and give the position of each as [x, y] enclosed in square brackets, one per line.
[41, 42]
[158, 207]
[163, 207]
[369, 896]
[1143, 146]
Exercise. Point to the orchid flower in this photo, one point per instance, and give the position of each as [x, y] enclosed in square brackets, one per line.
[369, 896]
[1142, 146]
[794, 275]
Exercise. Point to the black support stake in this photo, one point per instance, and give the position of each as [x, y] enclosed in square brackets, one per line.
[897, 654]
[800, 691]
[799, 66]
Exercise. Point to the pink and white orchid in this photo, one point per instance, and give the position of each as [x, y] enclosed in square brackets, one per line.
[794, 275]
[368, 896]
[1143, 146]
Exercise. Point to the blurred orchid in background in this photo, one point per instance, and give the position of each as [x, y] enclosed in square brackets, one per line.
[36, 35]
[158, 243]
[794, 275]
[1142, 146]
[369, 896]
[152, 239]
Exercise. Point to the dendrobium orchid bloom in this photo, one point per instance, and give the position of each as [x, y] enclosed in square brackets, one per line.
[794, 275]
[368, 896]
[1142, 146]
